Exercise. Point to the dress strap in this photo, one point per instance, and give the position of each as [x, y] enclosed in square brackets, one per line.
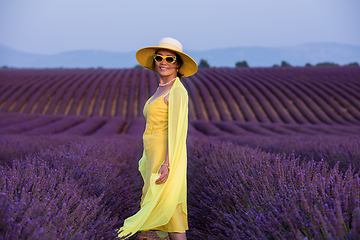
[167, 93]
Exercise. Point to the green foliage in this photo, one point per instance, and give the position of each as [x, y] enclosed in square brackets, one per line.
[241, 64]
[327, 64]
[353, 64]
[275, 65]
[138, 66]
[203, 64]
[285, 64]
[308, 65]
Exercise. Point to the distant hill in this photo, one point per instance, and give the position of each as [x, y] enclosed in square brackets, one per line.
[297, 55]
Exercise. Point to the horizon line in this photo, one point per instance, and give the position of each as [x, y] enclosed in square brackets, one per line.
[187, 50]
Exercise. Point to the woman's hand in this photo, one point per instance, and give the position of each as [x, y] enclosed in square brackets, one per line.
[164, 171]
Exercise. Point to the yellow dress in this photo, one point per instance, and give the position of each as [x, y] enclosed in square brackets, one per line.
[164, 206]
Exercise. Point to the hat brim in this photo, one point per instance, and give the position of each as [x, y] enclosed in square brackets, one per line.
[145, 58]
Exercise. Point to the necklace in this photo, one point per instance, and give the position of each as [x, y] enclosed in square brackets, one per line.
[162, 85]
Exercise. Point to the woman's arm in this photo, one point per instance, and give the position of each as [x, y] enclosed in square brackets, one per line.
[164, 169]
[177, 130]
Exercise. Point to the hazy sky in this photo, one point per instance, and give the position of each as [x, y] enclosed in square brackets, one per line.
[52, 26]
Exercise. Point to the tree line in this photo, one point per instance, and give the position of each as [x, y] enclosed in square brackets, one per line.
[204, 64]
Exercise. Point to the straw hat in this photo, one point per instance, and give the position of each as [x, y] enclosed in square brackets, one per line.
[145, 56]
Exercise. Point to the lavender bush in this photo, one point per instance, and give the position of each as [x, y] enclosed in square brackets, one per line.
[237, 192]
[330, 148]
[84, 188]
[75, 191]
[19, 145]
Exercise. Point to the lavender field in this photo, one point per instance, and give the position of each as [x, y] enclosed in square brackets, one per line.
[273, 153]
[265, 101]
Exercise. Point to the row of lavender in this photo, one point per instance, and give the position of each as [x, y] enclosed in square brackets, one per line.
[75, 191]
[86, 92]
[38, 124]
[293, 96]
[278, 95]
[84, 189]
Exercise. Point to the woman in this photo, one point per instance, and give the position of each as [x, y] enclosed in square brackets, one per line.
[164, 160]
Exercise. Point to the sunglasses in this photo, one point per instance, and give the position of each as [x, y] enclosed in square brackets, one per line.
[159, 58]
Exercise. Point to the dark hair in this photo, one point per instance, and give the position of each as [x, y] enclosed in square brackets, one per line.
[178, 59]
